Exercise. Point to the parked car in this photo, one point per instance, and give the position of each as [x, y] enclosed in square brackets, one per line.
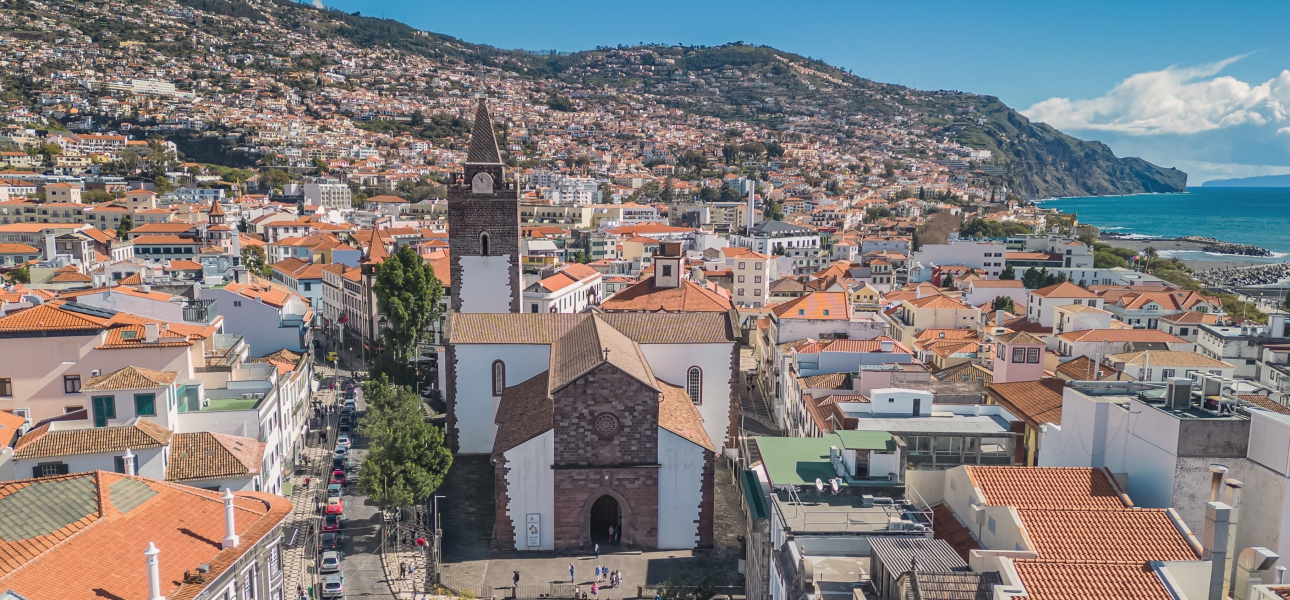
[334, 522]
[341, 450]
[334, 491]
[333, 585]
[330, 562]
[340, 462]
[338, 477]
[344, 439]
[335, 506]
[331, 540]
[346, 429]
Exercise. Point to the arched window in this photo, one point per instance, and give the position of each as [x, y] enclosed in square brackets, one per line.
[483, 244]
[499, 377]
[694, 385]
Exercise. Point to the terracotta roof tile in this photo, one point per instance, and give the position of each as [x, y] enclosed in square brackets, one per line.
[644, 296]
[207, 455]
[1066, 581]
[1036, 402]
[1047, 487]
[1121, 335]
[50, 317]
[545, 328]
[947, 527]
[44, 443]
[1064, 290]
[1132, 536]
[677, 413]
[131, 378]
[815, 305]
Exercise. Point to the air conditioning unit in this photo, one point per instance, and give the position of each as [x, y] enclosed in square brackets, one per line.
[247, 396]
[96, 373]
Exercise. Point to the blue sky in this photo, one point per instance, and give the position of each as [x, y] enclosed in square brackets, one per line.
[1152, 79]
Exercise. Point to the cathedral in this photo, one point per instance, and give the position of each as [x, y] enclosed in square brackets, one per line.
[603, 427]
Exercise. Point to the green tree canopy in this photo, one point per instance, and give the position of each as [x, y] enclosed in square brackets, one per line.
[255, 261]
[407, 458]
[408, 293]
[123, 230]
[1003, 303]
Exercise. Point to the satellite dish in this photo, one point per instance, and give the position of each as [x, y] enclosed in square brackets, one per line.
[834, 484]
[819, 485]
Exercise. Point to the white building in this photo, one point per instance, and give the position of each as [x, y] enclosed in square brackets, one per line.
[270, 319]
[330, 194]
[988, 256]
[570, 289]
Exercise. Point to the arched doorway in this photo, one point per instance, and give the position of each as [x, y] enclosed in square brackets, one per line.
[605, 514]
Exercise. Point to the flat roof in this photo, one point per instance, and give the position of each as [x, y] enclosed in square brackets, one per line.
[970, 424]
[220, 404]
[843, 514]
[802, 460]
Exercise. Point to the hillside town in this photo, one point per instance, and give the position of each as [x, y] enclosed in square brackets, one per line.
[287, 316]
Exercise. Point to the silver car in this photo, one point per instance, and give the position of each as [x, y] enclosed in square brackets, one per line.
[333, 585]
[330, 562]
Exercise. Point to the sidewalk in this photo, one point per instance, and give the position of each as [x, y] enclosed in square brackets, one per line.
[297, 556]
[406, 586]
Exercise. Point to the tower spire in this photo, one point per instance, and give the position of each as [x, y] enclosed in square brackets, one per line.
[483, 142]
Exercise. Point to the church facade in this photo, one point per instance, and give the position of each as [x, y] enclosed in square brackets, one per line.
[593, 420]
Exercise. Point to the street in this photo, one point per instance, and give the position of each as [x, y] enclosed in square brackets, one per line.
[364, 576]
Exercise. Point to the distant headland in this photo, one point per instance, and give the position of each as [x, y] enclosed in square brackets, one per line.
[1260, 181]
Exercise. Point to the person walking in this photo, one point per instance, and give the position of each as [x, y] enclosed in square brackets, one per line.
[515, 579]
[611, 534]
[571, 577]
[403, 570]
[595, 590]
[596, 549]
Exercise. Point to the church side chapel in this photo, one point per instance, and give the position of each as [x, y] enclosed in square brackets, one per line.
[602, 427]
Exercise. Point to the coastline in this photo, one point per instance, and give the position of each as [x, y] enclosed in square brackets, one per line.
[1196, 258]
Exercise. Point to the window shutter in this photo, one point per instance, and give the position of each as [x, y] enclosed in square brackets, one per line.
[119, 463]
[62, 468]
[35, 471]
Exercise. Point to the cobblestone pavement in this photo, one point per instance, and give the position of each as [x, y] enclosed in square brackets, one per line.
[300, 529]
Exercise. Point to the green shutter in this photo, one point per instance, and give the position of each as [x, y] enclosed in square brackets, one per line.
[145, 405]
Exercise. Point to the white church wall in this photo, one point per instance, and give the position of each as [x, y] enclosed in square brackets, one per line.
[530, 487]
[672, 362]
[486, 284]
[680, 491]
[475, 405]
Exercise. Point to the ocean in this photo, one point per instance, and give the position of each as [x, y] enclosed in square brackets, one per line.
[1258, 216]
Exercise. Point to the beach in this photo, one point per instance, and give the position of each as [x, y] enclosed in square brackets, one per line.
[1194, 254]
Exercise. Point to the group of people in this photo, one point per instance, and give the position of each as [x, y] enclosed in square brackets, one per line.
[603, 574]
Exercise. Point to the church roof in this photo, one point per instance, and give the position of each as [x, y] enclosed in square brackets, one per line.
[645, 296]
[677, 413]
[546, 328]
[483, 141]
[590, 344]
[216, 209]
[525, 412]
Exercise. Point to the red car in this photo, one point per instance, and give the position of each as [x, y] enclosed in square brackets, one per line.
[333, 522]
[335, 506]
[338, 477]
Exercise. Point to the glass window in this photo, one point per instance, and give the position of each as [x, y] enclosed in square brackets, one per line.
[694, 385]
[1018, 355]
[71, 384]
[499, 377]
[1032, 355]
[104, 409]
[145, 405]
[6, 386]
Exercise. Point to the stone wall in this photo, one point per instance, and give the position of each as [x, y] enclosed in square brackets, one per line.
[503, 528]
[635, 489]
[707, 509]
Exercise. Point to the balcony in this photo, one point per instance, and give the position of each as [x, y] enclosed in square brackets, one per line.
[200, 310]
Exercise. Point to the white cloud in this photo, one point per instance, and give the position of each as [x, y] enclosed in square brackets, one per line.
[1173, 101]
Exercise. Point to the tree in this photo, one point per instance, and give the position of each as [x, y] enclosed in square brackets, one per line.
[123, 230]
[1008, 273]
[667, 194]
[1031, 279]
[407, 458]
[1003, 303]
[772, 211]
[21, 275]
[947, 281]
[255, 261]
[774, 150]
[408, 293]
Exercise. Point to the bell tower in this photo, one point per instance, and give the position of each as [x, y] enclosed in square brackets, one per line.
[484, 227]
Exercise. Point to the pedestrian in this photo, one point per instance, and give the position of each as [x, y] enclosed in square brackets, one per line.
[596, 549]
[306, 482]
[403, 570]
[611, 534]
[597, 573]
[515, 579]
[571, 580]
[595, 590]
[412, 571]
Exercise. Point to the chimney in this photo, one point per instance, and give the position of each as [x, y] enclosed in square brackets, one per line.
[128, 462]
[231, 538]
[1232, 498]
[1217, 530]
[1251, 569]
[887, 346]
[154, 573]
[1216, 481]
[150, 332]
[998, 318]
[50, 249]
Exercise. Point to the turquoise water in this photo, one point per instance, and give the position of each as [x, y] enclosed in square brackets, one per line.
[1259, 216]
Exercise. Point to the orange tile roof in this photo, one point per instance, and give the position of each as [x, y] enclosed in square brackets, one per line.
[815, 305]
[1036, 402]
[50, 317]
[207, 455]
[41, 442]
[1047, 487]
[131, 378]
[1065, 289]
[1117, 536]
[118, 515]
[165, 239]
[643, 296]
[1121, 335]
[1046, 580]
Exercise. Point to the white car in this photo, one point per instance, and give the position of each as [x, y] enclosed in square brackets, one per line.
[330, 562]
[343, 440]
[333, 585]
